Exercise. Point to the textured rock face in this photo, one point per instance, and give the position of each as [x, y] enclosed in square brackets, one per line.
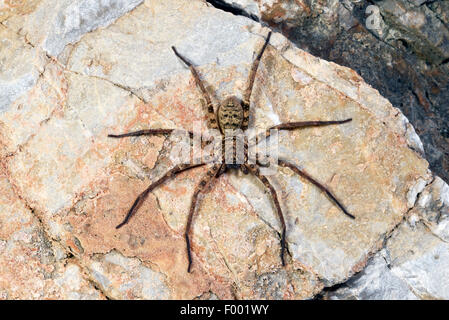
[67, 21]
[413, 264]
[78, 184]
[401, 48]
[31, 265]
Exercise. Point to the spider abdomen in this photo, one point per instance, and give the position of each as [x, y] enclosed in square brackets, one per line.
[230, 114]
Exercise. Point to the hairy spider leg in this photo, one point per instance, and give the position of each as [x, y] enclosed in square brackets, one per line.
[249, 89]
[305, 175]
[146, 132]
[294, 125]
[171, 173]
[210, 108]
[211, 174]
[254, 169]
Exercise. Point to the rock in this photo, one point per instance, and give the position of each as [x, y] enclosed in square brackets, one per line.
[413, 264]
[441, 9]
[375, 282]
[433, 208]
[20, 67]
[122, 77]
[68, 21]
[31, 265]
[401, 48]
[125, 278]
[11, 8]
[419, 27]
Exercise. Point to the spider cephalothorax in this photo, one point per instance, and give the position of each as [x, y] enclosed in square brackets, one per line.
[232, 115]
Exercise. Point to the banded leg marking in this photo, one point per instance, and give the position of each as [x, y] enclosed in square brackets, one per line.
[211, 174]
[254, 169]
[249, 89]
[140, 199]
[210, 108]
[146, 132]
[294, 125]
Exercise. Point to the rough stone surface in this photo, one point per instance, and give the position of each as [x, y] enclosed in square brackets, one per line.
[79, 184]
[376, 282]
[32, 266]
[401, 49]
[20, 65]
[414, 263]
[11, 8]
[67, 21]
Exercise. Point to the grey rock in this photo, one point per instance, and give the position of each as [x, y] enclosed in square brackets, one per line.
[375, 282]
[406, 58]
[433, 208]
[413, 263]
[124, 77]
[120, 277]
[20, 66]
[249, 7]
[69, 20]
[441, 9]
[10, 91]
[32, 265]
[419, 27]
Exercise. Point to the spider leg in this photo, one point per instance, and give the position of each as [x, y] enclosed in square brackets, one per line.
[255, 170]
[211, 174]
[210, 108]
[249, 89]
[305, 175]
[244, 169]
[138, 202]
[304, 124]
[222, 170]
[145, 132]
[296, 125]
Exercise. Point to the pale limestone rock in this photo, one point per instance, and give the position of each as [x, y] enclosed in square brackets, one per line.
[433, 208]
[67, 164]
[11, 8]
[31, 266]
[125, 77]
[125, 278]
[249, 6]
[20, 65]
[414, 263]
[413, 266]
[67, 21]
[376, 282]
[421, 260]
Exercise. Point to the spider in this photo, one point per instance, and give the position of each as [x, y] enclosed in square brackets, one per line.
[232, 114]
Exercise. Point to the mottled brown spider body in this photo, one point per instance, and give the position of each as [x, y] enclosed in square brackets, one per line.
[232, 114]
